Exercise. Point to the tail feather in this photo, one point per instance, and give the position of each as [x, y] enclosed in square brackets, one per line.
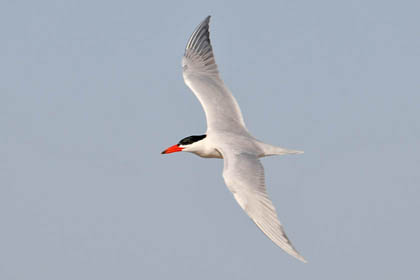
[270, 150]
[282, 151]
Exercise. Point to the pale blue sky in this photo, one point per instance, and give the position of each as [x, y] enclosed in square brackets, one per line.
[91, 92]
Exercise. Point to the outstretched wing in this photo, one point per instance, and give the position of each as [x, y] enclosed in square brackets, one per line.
[244, 176]
[202, 77]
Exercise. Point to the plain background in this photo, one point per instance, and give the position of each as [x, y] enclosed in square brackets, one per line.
[91, 92]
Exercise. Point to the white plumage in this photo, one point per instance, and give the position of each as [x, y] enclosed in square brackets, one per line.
[227, 137]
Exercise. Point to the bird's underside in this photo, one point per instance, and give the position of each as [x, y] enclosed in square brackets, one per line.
[227, 137]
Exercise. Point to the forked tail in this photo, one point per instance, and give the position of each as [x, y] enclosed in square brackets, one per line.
[270, 150]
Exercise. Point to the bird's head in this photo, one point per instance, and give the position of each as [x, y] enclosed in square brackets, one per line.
[187, 144]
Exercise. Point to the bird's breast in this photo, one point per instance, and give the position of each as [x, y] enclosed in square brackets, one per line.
[209, 153]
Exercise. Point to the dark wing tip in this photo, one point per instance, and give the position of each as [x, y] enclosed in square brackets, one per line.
[199, 50]
[200, 39]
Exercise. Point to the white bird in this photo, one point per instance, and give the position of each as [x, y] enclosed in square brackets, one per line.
[228, 138]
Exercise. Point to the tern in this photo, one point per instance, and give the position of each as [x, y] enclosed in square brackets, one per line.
[227, 137]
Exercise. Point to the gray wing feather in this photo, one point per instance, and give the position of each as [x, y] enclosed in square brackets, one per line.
[198, 54]
[244, 176]
[202, 76]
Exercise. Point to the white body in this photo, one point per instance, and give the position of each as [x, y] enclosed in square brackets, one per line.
[228, 138]
[208, 147]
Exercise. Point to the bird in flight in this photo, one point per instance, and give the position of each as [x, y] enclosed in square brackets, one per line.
[227, 137]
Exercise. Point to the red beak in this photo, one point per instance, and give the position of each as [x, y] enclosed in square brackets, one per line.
[172, 149]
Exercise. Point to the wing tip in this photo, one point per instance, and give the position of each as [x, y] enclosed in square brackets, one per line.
[293, 252]
[199, 51]
[205, 23]
[200, 33]
[302, 259]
